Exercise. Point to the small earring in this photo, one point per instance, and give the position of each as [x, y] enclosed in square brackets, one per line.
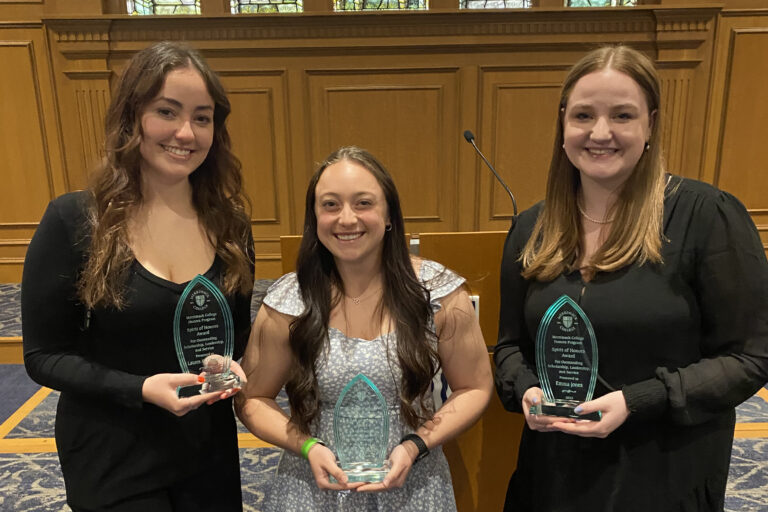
[647, 146]
[563, 145]
[388, 227]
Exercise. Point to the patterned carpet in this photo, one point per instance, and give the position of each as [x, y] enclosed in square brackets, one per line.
[30, 478]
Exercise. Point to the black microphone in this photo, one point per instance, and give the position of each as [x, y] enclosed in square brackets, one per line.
[470, 137]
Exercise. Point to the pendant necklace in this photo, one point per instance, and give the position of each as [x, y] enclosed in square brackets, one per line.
[357, 300]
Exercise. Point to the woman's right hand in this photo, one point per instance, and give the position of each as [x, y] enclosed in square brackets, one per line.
[160, 390]
[534, 396]
[322, 462]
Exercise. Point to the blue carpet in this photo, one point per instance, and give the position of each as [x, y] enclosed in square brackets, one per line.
[33, 482]
[17, 388]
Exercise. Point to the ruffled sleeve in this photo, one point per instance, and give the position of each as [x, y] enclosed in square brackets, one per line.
[731, 286]
[284, 296]
[439, 281]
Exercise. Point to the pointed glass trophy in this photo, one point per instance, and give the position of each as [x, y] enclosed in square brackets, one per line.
[361, 431]
[203, 334]
[566, 360]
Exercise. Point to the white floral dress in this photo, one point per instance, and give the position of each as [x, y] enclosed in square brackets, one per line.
[428, 486]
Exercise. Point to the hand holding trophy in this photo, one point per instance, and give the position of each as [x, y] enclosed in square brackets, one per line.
[361, 431]
[203, 334]
[566, 360]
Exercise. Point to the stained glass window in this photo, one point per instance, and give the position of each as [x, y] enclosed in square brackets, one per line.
[494, 4]
[600, 3]
[148, 7]
[379, 5]
[254, 6]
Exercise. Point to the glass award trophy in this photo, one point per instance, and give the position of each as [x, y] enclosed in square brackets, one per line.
[566, 360]
[203, 334]
[361, 431]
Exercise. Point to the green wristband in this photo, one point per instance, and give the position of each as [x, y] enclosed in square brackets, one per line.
[308, 444]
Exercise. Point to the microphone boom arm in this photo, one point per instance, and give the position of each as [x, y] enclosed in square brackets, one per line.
[471, 139]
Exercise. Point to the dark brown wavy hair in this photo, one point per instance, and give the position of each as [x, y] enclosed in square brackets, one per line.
[217, 188]
[403, 297]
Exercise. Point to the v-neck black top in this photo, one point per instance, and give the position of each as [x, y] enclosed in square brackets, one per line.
[686, 341]
[111, 444]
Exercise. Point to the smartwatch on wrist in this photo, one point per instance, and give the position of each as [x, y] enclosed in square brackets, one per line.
[420, 444]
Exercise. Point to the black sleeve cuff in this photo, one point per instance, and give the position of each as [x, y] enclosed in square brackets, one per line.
[646, 399]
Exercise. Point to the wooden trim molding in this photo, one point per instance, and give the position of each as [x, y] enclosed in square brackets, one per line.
[685, 20]
[98, 74]
[378, 28]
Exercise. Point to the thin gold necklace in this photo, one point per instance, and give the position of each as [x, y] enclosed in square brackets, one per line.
[590, 219]
[357, 300]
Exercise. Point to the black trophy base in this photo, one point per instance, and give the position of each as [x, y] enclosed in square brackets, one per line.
[212, 384]
[563, 410]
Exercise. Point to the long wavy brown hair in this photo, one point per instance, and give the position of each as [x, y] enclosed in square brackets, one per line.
[636, 233]
[404, 298]
[217, 188]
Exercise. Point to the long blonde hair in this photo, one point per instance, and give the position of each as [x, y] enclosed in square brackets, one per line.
[636, 233]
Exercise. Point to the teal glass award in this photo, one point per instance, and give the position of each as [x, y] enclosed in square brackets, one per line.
[566, 360]
[203, 335]
[361, 431]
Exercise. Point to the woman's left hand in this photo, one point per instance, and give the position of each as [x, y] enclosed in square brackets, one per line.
[401, 461]
[615, 412]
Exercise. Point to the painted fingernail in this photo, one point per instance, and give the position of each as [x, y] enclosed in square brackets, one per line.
[578, 410]
[200, 379]
[535, 400]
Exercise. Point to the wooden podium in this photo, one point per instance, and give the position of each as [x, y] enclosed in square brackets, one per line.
[483, 458]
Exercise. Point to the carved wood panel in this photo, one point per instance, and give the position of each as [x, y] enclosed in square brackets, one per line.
[260, 139]
[407, 118]
[519, 116]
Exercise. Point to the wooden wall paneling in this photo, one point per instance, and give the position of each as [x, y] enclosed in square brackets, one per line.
[743, 155]
[729, 23]
[80, 52]
[409, 115]
[519, 115]
[683, 54]
[91, 98]
[334, 64]
[300, 164]
[15, 12]
[469, 119]
[27, 177]
[675, 101]
[31, 169]
[83, 106]
[260, 138]
[760, 217]
[734, 153]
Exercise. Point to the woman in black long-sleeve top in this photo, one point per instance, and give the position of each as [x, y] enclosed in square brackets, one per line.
[102, 278]
[673, 277]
